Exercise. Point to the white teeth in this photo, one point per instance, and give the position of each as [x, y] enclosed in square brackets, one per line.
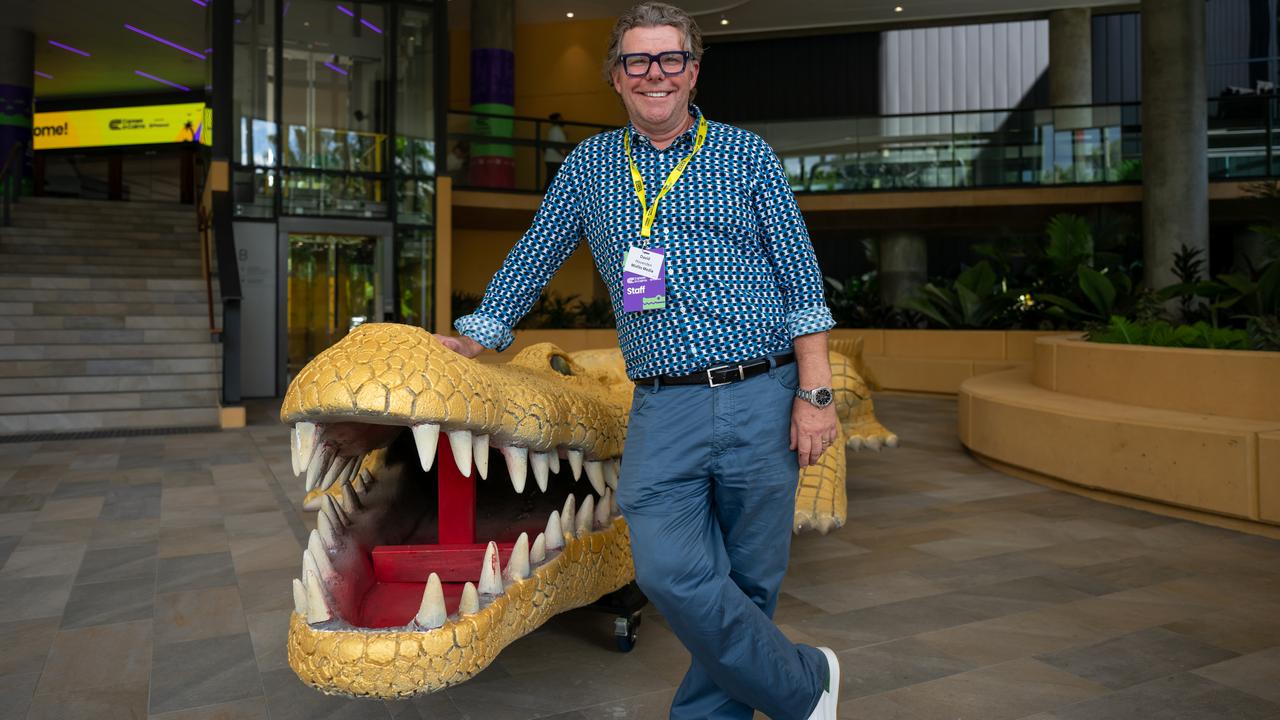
[350, 503]
[602, 510]
[299, 598]
[324, 526]
[595, 473]
[317, 608]
[362, 483]
[567, 514]
[431, 613]
[425, 436]
[575, 463]
[470, 602]
[610, 474]
[517, 465]
[460, 443]
[613, 505]
[333, 511]
[554, 461]
[293, 451]
[540, 466]
[555, 536]
[336, 466]
[305, 438]
[490, 573]
[319, 465]
[315, 547]
[617, 468]
[518, 563]
[480, 449]
[538, 553]
[586, 514]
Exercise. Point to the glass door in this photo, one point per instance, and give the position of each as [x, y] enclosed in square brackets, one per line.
[333, 287]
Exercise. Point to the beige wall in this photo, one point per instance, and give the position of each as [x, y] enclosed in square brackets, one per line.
[477, 255]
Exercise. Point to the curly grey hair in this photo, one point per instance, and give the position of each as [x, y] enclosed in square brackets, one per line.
[652, 14]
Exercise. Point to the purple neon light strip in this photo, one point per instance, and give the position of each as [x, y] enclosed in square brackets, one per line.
[363, 22]
[46, 76]
[161, 80]
[201, 3]
[162, 41]
[336, 69]
[68, 48]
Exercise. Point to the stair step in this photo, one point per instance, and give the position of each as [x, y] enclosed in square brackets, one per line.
[116, 366]
[92, 225]
[105, 233]
[108, 351]
[72, 337]
[9, 255]
[108, 420]
[107, 383]
[113, 255]
[103, 205]
[103, 308]
[65, 402]
[81, 283]
[103, 296]
[84, 269]
[109, 322]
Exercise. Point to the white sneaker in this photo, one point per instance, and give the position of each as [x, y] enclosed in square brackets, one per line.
[826, 709]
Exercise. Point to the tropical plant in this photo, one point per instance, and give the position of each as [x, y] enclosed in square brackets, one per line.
[1162, 334]
[976, 299]
[855, 302]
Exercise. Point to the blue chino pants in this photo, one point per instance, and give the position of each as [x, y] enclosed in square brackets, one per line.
[708, 488]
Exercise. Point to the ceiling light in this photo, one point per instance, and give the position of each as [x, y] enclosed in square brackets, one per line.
[724, 20]
[162, 41]
[68, 48]
[568, 14]
[44, 75]
[161, 80]
[897, 8]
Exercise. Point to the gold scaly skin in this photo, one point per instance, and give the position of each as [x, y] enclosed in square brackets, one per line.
[542, 399]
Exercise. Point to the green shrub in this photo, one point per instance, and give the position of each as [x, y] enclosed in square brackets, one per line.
[1161, 334]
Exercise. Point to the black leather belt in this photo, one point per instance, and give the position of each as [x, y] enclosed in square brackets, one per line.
[721, 374]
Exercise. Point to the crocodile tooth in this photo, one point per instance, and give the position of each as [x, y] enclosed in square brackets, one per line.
[586, 513]
[553, 461]
[293, 451]
[568, 513]
[350, 503]
[305, 437]
[317, 608]
[539, 462]
[602, 510]
[490, 573]
[617, 469]
[470, 602]
[319, 465]
[610, 474]
[575, 463]
[555, 536]
[460, 443]
[329, 507]
[613, 505]
[315, 546]
[425, 436]
[517, 465]
[325, 526]
[595, 473]
[518, 563]
[538, 553]
[299, 598]
[431, 613]
[480, 448]
[363, 481]
[336, 467]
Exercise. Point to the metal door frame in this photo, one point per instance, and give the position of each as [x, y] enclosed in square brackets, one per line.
[384, 259]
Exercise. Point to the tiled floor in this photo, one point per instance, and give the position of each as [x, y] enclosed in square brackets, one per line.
[149, 577]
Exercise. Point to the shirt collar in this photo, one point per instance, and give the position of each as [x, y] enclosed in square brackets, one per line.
[684, 138]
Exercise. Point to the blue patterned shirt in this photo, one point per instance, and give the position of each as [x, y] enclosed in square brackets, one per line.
[742, 278]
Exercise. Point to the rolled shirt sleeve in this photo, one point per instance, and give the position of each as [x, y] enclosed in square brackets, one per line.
[555, 234]
[786, 241]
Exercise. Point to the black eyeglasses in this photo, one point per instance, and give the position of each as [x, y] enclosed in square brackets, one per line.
[671, 62]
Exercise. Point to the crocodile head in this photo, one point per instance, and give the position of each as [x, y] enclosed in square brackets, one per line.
[462, 504]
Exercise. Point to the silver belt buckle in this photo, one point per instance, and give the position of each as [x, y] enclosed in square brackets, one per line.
[711, 380]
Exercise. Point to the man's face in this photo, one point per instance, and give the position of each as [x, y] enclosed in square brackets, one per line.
[655, 102]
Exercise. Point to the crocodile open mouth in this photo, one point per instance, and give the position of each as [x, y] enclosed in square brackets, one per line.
[420, 524]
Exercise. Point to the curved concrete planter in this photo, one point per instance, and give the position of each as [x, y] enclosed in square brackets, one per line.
[1193, 429]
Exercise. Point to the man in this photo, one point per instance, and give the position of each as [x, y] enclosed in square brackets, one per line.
[553, 156]
[722, 323]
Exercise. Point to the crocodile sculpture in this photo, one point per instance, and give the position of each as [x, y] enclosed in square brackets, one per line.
[396, 596]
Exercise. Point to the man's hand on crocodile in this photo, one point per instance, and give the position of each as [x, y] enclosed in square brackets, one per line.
[463, 345]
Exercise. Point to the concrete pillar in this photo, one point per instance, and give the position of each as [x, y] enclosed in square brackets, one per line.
[1071, 57]
[1175, 170]
[17, 81]
[904, 266]
[493, 80]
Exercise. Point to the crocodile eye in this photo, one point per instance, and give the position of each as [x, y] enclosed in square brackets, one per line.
[560, 365]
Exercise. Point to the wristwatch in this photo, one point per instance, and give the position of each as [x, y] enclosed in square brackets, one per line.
[818, 397]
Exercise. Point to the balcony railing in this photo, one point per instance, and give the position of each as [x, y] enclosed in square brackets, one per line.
[1081, 145]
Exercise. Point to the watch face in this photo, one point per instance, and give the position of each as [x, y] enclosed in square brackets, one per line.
[822, 397]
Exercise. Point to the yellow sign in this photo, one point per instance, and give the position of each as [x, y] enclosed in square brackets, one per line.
[147, 125]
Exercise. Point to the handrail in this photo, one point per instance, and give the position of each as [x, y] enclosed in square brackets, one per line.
[10, 186]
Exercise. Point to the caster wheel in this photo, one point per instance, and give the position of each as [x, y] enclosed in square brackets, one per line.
[624, 632]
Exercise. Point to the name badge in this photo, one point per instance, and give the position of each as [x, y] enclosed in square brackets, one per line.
[644, 280]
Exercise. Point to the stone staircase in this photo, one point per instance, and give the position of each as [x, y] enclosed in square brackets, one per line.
[104, 319]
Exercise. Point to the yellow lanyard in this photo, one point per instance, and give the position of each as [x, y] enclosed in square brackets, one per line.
[650, 212]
